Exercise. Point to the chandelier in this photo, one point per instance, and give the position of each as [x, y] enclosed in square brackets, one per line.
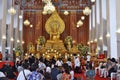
[108, 35]
[66, 12]
[26, 22]
[12, 10]
[46, 1]
[82, 17]
[87, 11]
[79, 23]
[49, 8]
[92, 0]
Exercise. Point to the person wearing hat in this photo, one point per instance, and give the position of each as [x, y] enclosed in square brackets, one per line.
[113, 67]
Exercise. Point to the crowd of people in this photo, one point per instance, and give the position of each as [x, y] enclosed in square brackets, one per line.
[52, 69]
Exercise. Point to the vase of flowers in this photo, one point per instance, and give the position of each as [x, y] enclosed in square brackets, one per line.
[83, 49]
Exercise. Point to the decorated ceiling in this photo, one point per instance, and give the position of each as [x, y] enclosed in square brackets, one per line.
[61, 5]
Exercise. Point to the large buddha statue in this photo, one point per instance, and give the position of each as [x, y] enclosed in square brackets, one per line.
[54, 26]
[54, 33]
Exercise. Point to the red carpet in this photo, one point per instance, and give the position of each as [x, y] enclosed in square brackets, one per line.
[6, 62]
[96, 77]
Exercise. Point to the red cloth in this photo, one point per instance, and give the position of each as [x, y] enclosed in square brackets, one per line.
[6, 62]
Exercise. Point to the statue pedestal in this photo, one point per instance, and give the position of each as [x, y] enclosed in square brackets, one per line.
[57, 44]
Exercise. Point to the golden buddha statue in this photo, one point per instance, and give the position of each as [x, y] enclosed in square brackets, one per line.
[54, 33]
[54, 26]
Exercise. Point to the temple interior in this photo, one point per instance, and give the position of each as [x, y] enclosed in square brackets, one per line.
[60, 29]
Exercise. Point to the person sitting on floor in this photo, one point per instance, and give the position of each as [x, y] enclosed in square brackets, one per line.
[113, 67]
[90, 74]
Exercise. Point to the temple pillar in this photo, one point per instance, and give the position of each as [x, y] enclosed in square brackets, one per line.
[3, 28]
[108, 28]
[118, 26]
[16, 27]
[12, 25]
[112, 22]
[97, 18]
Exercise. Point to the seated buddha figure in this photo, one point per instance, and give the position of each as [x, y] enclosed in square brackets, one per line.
[31, 48]
[54, 33]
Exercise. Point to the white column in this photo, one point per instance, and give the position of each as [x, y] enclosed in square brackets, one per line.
[112, 17]
[21, 34]
[93, 22]
[11, 34]
[101, 28]
[0, 23]
[104, 28]
[97, 23]
[3, 29]
[108, 28]
[90, 31]
[16, 26]
[118, 26]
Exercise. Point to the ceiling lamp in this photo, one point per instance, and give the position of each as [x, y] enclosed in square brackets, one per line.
[66, 12]
[18, 41]
[49, 8]
[23, 42]
[88, 42]
[20, 16]
[31, 25]
[44, 12]
[82, 17]
[95, 40]
[92, 0]
[12, 11]
[91, 41]
[46, 1]
[3, 37]
[118, 31]
[100, 38]
[108, 35]
[26, 22]
[77, 26]
[12, 39]
[79, 23]
[87, 11]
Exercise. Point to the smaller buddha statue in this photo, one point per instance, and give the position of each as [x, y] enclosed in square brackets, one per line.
[38, 44]
[69, 45]
[31, 48]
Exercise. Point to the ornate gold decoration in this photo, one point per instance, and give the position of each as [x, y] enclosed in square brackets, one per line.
[55, 20]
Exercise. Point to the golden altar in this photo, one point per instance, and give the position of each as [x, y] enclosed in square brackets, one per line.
[54, 46]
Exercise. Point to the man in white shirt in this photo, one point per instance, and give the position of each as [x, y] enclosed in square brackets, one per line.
[2, 74]
[88, 57]
[23, 75]
[77, 62]
[59, 62]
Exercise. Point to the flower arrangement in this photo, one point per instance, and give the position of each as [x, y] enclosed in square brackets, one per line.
[18, 51]
[83, 49]
[68, 42]
[41, 40]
